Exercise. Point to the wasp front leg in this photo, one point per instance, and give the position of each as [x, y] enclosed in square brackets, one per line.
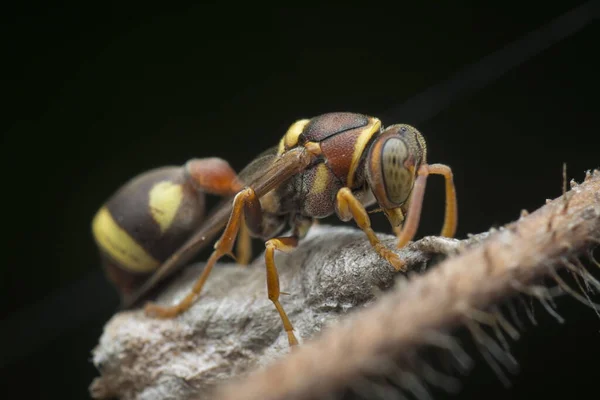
[348, 207]
[451, 213]
[411, 223]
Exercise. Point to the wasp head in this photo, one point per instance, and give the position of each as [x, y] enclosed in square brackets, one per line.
[393, 159]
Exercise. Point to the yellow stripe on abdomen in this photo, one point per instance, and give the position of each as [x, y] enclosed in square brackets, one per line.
[119, 245]
[164, 200]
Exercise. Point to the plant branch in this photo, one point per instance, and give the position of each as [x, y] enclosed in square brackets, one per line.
[411, 314]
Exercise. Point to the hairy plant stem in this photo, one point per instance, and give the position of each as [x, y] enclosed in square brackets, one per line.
[504, 264]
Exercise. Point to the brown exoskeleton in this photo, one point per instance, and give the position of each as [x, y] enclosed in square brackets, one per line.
[333, 163]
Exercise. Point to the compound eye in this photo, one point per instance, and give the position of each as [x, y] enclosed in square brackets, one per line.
[397, 179]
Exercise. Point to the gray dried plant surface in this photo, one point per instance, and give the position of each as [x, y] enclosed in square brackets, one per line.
[233, 327]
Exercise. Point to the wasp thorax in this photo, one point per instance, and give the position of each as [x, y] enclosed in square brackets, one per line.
[397, 178]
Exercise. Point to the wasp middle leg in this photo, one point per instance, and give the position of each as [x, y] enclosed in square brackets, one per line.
[257, 223]
[283, 244]
[348, 207]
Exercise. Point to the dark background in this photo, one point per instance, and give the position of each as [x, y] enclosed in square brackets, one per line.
[96, 96]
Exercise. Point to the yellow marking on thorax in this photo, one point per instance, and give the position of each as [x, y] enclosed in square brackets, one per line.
[119, 245]
[164, 200]
[359, 147]
[321, 179]
[290, 139]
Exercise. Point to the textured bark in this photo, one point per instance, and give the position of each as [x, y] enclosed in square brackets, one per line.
[233, 329]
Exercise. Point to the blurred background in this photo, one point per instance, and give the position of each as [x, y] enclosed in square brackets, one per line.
[94, 96]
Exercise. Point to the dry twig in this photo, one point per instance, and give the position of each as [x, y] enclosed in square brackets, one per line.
[414, 314]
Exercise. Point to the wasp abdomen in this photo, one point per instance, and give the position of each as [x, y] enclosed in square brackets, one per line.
[145, 221]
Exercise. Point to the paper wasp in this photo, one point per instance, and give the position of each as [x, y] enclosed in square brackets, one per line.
[333, 163]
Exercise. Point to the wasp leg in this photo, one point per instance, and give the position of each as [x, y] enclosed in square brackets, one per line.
[451, 214]
[215, 176]
[411, 223]
[285, 244]
[416, 202]
[243, 245]
[347, 207]
[223, 247]
[254, 218]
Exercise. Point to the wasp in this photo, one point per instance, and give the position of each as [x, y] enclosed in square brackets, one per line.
[336, 163]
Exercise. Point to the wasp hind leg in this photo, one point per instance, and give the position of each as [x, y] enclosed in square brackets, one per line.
[215, 176]
[223, 247]
[243, 245]
[245, 206]
[349, 207]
